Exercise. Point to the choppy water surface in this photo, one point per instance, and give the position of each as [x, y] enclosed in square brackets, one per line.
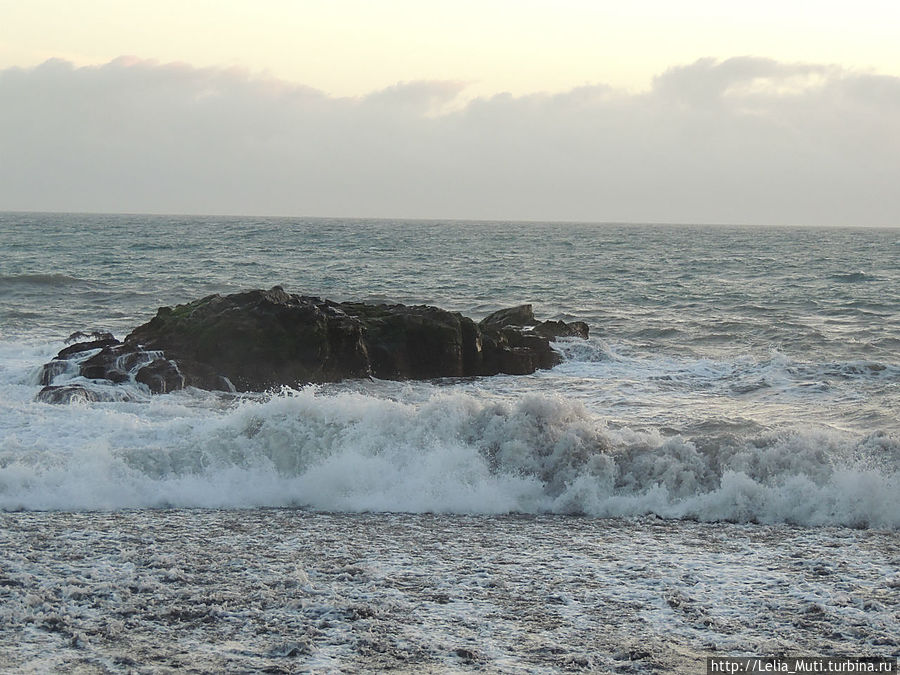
[747, 374]
[682, 484]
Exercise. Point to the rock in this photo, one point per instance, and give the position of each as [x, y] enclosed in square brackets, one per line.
[81, 347]
[94, 335]
[81, 393]
[50, 371]
[514, 351]
[558, 329]
[68, 393]
[522, 315]
[515, 361]
[78, 359]
[516, 343]
[161, 376]
[418, 342]
[257, 340]
[106, 365]
[113, 361]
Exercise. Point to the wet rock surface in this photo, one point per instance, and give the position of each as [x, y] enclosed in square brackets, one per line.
[67, 393]
[257, 340]
[417, 342]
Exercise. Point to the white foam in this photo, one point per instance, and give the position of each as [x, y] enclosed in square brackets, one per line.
[449, 451]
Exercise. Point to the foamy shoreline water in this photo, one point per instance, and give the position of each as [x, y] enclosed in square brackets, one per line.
[282, 590]
[427, 448]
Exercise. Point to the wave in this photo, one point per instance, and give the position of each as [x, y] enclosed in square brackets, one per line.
[40, 280]
[456, 452]
[739, 373]
[853, 277]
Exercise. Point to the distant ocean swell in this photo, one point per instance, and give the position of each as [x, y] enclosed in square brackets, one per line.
[579, 354]
[451, 451]
[56, 280]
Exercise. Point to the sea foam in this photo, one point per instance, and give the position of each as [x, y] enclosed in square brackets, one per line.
[440, 450]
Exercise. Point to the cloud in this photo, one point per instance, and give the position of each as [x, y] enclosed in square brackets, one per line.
[745, 140]
[708, 80]
[421, 97]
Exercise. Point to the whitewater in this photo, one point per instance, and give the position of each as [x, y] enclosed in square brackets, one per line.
[716, 470]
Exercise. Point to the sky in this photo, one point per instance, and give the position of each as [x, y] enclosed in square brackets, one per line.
[647, 111]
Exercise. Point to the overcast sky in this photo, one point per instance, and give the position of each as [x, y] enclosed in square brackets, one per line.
[477, 115]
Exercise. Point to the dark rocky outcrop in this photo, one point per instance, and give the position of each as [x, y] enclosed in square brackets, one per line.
[522, 315]
[160, 376]
[81, 347]
[256, 340]
[111, 360]
[417, 342]
[517, 343]
[558, 329]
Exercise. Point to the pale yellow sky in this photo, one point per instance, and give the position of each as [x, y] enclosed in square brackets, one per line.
[352, 47]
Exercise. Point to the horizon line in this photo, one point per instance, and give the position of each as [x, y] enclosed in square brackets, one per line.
[433, 219]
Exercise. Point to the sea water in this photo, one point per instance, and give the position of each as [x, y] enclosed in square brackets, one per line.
[741, 385]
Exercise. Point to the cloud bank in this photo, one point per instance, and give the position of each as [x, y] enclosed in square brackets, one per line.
[746, 140]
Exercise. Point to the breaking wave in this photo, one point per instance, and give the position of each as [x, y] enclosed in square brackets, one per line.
[453, 452]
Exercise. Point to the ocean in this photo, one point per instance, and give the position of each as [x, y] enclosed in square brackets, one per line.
[716, 471]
